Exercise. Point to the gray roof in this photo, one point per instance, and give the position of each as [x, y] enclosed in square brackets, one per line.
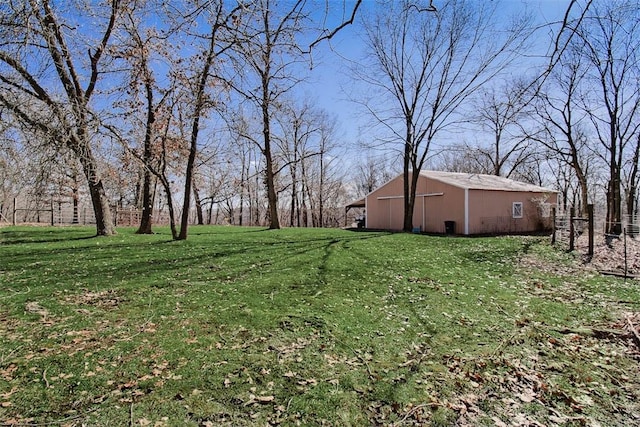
[474, 181]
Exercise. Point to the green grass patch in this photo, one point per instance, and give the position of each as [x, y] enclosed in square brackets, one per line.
[248, 326]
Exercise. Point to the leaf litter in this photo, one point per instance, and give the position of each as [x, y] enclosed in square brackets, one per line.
[537, 375]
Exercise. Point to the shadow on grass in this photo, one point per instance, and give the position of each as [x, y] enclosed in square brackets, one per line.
[223, 257]
[17, 237]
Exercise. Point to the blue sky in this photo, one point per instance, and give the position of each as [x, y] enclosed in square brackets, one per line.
[329, 81]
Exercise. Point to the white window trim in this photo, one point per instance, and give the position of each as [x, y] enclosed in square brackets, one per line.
[517, 210]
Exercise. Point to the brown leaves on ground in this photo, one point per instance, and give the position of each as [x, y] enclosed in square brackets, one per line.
[609, 254]
[107, 300]
[552, 380]
[612, 253]
[35, 308]
[565, 377]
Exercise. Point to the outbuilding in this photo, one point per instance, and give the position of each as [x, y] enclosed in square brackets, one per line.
[463, 203]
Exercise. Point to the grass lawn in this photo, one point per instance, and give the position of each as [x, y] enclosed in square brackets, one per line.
[247, 326]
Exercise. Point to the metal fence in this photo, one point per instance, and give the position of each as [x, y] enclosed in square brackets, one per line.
[629, 224]
[64, 212]
[569, 228]
[54, 212]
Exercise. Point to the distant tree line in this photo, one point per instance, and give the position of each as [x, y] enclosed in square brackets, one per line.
[196, 105]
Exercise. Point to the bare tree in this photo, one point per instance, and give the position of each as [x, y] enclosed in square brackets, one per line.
[427, 65]
[245, 155]
[162, 149]
[144, 46]
[275, 38]
[370, 173]
[318, 174]
[247, 148]
[268, 55]
[329, 186]
[297, 134]
[464, 158]
[609, 38]
[170, 143]
[501, 113]
[48, 83]
[631, 181]
[221, 18]
[15, 169]
[562, 121]
[176, 110]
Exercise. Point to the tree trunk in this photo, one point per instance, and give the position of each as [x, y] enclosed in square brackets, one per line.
[272, 197]
[184, 220]
[242, 190]
[99, 200]
[406, 185]
[614, 199]
[310, 206]
[410, 203]
[100, 203]
[633, 183]
[147, 205]
[241, 207]
[321, 191]
[172, 215]
[294, 196]
[256, 201]
[196, 196]
[198, 110]
[580, 175]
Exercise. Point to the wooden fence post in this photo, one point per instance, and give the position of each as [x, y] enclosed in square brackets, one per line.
[572, 213]
[51, 207]
[553, 225]
[591, 226]
[14, 211]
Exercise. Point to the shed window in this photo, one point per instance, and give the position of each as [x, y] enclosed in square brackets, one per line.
[517, 209]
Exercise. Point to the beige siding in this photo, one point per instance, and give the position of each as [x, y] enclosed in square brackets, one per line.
[384, 206]
[489, 211]
[441, 202]
[436, 203]
[492, 212]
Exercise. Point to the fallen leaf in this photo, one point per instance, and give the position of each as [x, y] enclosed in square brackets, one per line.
[9, 393]
[36, 308]
[498, 422]
[527, 396]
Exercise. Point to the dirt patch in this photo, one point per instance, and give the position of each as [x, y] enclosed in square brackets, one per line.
[612, 253]
[35, 308]
[106, 300]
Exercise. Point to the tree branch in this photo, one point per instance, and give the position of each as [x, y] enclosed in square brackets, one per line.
[338, 28]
